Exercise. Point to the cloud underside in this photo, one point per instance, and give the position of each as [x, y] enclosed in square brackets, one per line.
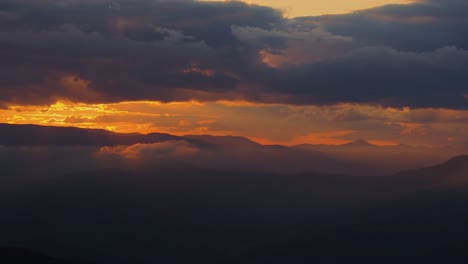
[105, 51]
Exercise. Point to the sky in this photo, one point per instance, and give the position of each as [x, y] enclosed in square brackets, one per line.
[388, 74]
[295, 8]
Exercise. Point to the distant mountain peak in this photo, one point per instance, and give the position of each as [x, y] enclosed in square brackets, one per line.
[359, 143]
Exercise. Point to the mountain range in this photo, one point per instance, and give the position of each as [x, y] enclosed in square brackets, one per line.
[108, 198]
[221, 152]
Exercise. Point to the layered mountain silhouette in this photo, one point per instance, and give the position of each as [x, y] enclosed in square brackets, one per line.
[129, 198]
[221, 152]
[185, 214]
[383, 159]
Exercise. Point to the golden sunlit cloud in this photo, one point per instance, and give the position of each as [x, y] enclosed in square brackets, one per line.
[295, 8]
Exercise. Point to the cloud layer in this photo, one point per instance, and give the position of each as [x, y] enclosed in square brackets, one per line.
[109, 51]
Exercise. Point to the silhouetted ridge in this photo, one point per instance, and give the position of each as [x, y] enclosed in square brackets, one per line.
[354, 144]
[233, 141]
[457, 161]
[452, 172]
[458, 164]
[33, 135]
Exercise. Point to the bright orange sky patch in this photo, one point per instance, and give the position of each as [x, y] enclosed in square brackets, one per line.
[294, 8]
[264, 123]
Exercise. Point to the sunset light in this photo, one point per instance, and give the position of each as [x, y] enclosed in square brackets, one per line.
[233, 131]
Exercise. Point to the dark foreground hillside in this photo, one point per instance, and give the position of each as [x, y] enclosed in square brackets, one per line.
[426, 228]
[23, 256]
[183, 214]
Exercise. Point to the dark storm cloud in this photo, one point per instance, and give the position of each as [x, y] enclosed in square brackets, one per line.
[384, 76]
[126, 50]
[107, 51]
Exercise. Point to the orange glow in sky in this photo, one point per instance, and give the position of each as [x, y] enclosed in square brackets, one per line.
[266, 124]
[294, 8]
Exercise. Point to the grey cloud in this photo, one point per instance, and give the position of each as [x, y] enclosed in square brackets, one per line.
[423, 26]
[137, 51]
[384, 76]
[108, 51]
[297, 46]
